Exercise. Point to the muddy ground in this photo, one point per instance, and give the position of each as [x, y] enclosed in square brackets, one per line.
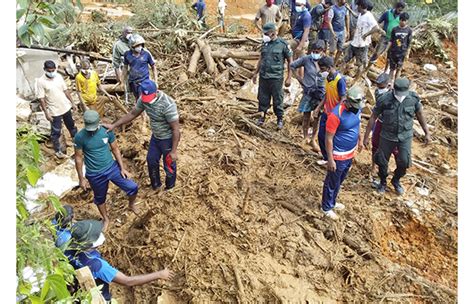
[245, 212]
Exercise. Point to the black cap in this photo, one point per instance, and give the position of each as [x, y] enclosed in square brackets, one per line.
[382, 78]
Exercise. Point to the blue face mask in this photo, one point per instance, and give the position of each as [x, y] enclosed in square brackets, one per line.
[315, 56]
[299, 9]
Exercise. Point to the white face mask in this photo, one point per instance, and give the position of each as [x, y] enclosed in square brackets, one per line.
[324, 74]
[138, 49]
[266, 38]
[85, 71]
[100, 241]
[128, 36]
[315, 56]
[51, 74]
[299, 9]
[381, 91]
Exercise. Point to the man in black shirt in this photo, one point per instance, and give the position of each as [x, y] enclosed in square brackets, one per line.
[398, 47]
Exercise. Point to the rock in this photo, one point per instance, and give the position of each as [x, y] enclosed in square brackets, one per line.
[409, 203]
[422, 191]
[23, 109]
[444, 169]
[430, 67]
[210, 132]
[40, 123]
[182, 77]
[416, 212]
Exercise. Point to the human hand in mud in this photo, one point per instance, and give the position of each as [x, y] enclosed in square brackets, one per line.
[84, 184]
[166, 274]
[427, 139]
[125, 173]
[331, 165]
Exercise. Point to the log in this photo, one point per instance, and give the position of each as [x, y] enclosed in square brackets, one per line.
[433, 95]
[119, 105]
[92, 55]
[192, 98]
[113, 88]
[450, 109]
[226, 53]
[249, 66]
[87, 283]
[365, 253]
[206, 52]
[231, 62]
[221, 65]
[194, 60]
[231, 41]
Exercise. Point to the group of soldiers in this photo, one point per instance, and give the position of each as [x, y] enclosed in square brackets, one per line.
[329, 108]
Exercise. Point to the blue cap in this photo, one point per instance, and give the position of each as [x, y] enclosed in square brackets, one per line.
[148, 90]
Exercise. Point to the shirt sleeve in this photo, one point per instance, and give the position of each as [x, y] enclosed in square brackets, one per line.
[106, 272]
[371, 20]
[307, 21]
[278, 15]
[139, 105]
[115, 57]
[418, 105]
[287, 52]
[150, 59]
[409, 38]
[392, 36]
[63, 83]
[171, 113]
[78, 144]
[332, 123]
[97, 79]
[330, 14]
[259, 14]
[78, 84]
[297, 63]
[111, 136]
[125, 59]
[39, 89]
[378, 108]
[341, 87]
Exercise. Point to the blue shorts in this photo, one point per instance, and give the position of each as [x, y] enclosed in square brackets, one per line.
[338, 41]
[307, 104]
[100, 183]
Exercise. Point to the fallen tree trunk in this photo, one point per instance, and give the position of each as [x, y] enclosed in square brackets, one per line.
[194, 60]
[113, 88]
[206, 52]
[226, 53]
[450, 109]
[433, 95]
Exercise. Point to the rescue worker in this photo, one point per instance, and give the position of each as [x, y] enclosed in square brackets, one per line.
[136, 61]
[118, 51]
[271, 67]
[398, 108]
[342, 139]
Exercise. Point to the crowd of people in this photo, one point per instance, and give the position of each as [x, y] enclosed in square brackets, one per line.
[320, 37]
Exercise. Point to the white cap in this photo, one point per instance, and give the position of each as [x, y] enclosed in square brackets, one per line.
[300, 2]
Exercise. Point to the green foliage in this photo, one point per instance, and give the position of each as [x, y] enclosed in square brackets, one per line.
[34, 246]
[36, 18]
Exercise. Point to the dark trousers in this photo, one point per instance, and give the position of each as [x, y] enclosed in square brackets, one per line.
[158, 148]
[332, 183]
[135, 88]
[382, 156]
[56, 126]
[322, 135]
[267, 89]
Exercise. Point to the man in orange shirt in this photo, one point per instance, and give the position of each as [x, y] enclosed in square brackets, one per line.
[335, 85]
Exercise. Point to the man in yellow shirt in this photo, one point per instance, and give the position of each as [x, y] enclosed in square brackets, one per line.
[87, 82]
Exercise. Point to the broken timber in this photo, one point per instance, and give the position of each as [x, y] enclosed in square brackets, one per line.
[90, 54]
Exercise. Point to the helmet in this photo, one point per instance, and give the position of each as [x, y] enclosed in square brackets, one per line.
[356, 93]
[136, 40]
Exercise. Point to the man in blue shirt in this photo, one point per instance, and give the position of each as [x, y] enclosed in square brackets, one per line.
[295, 12]
[82, 252]
[136, 62]
[300, 32]
[93, 144]
[199, 7]
[340, 26]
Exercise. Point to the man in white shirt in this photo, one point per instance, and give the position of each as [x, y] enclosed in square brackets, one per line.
[221, 13]
[56, 103]
[366, 26]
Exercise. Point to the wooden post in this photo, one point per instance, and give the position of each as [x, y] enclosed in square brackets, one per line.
[87, 282]
[194, 60]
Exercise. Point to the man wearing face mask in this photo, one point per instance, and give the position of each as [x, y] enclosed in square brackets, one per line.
[118, 51]
[268, 13]
[313, 89]
[87, 82]
[398, 108]
[342, 139]
[335, 87]
[296, 11]
[56, 103]
[136, 63]
[300, 31]
[271, 67]
[92, 145]
[87, 236]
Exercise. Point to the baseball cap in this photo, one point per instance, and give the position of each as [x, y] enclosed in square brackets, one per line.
[382, 78]
[85, 233]
[148, 91]
[401, 86]
[91, 120]
[269, 26]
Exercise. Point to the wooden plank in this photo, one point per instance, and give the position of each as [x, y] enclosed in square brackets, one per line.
[87, 283]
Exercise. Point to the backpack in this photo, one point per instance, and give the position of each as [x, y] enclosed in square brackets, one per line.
[317, 16]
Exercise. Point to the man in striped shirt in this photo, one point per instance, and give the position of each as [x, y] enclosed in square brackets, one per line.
[342, 139]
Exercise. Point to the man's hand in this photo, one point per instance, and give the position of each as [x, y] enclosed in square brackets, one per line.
[254, 78]
[331, 165]
[287, 82]
[48, 117]
[427, 138]
[366, 142]
[110, 97]
[298, 48]
[125, 173]
[166, 274]
[174, 156]
[84, 184]
[109, 127]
